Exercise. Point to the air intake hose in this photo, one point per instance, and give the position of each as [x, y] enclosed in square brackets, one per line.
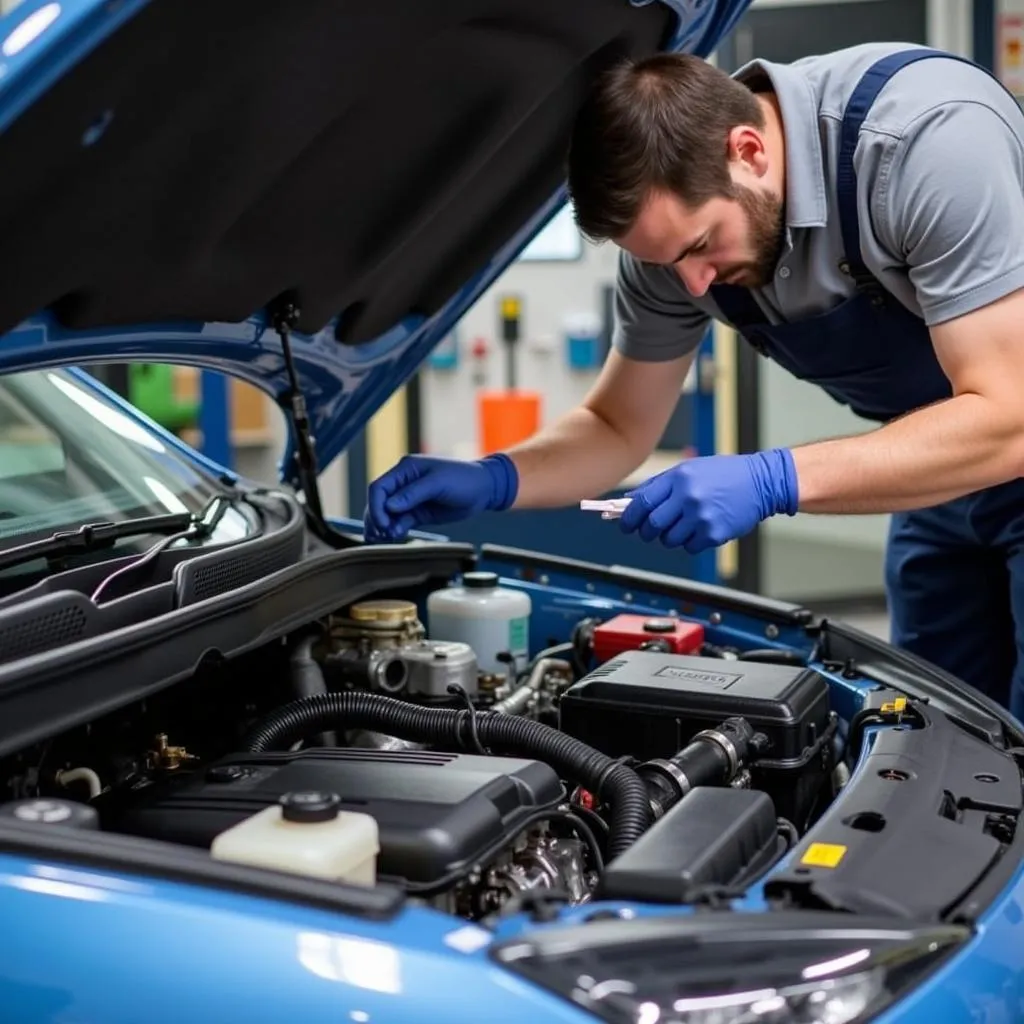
[714, 757]
[617, 785]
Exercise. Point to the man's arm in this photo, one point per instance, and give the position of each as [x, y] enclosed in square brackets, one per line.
[971, 441]
[587, 451]
[593, 447]
[952, 207]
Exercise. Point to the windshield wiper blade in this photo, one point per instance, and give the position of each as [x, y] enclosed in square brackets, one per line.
[200, 527]
[94, 537]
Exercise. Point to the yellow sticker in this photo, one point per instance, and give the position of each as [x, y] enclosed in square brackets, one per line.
[510, 308]
[823, 855]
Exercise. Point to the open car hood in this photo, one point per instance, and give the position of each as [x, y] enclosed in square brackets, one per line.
[174, 169]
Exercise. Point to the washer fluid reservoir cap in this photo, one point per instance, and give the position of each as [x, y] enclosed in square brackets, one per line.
[390, 611]
[310, 806]
[659, 625]
[480, 580]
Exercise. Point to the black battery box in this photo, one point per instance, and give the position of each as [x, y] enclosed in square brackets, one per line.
[645, 704]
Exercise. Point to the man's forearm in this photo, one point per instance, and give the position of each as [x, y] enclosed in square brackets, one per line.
[932, 455]
[578, 456]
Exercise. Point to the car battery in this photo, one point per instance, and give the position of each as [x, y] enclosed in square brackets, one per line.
[646, 632]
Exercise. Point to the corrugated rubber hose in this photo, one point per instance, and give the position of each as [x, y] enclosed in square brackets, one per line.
[614, 783]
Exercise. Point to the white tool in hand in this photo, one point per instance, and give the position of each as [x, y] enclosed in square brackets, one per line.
[610, 508]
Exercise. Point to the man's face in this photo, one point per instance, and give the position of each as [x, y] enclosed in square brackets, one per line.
[725, 241]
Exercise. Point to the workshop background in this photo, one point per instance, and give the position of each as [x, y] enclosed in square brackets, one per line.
[533, 345]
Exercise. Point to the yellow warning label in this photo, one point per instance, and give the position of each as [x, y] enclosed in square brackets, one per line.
[510, 308]
[895, 707]
[823, 855]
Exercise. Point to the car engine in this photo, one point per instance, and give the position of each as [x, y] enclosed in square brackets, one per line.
[471, 777]
[447, 822]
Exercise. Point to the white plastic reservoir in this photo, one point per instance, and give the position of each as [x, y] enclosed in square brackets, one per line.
[490, 618]
[305, 834]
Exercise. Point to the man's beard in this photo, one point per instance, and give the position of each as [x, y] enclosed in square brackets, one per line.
[764, 223]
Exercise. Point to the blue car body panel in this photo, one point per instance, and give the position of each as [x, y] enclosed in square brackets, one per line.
[135, 947]
[88, 945]
[103, 948]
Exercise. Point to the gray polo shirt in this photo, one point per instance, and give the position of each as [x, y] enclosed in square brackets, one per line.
[940, 190]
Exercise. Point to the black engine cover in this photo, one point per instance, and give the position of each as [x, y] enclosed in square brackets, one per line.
[649, 704]
[439, 814]
[646, 704]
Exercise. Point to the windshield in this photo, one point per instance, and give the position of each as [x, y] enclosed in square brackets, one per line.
[69, 456]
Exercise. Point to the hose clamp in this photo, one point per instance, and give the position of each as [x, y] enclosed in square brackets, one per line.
[673, 771]
[725, 745]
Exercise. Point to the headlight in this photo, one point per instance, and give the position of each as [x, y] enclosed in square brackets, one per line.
[772, 968]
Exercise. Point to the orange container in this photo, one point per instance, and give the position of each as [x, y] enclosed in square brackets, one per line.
[505, 418]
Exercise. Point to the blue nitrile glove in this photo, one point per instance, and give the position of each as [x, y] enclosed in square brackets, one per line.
[423, 490]
[704, 502]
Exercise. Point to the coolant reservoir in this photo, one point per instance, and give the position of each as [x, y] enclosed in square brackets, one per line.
[490, 618]
[306, 833]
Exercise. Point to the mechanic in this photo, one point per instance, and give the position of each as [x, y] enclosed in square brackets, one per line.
[857, 217]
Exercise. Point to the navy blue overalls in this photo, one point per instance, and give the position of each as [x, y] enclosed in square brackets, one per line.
[954, 572]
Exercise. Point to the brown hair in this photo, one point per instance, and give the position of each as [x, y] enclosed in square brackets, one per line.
[658, 123]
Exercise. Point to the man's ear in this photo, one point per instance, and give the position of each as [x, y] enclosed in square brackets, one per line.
[746, 146]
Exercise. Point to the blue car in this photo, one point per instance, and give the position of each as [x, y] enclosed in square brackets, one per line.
[255, 769]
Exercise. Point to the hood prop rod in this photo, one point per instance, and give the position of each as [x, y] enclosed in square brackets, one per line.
[284, 315]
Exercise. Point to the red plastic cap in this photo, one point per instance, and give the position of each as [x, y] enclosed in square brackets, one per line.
[630, 632]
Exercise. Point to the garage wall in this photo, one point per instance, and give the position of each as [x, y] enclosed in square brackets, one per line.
[554, 295]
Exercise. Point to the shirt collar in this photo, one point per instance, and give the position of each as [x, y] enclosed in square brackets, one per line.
[806, 200]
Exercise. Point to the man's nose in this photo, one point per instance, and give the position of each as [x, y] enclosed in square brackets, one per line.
[696, 274]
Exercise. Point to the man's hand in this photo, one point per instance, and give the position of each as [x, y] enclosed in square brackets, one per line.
[422, 491]
[705, 502]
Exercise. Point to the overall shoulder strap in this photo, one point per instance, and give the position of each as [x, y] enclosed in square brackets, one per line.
[863, 96]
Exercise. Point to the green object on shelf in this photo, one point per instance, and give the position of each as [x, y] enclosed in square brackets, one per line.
[151, 389]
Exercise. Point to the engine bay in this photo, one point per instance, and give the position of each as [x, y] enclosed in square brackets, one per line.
[417, 741]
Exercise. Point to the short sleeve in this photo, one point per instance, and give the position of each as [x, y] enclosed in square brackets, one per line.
[951, 207]
[654, 318]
